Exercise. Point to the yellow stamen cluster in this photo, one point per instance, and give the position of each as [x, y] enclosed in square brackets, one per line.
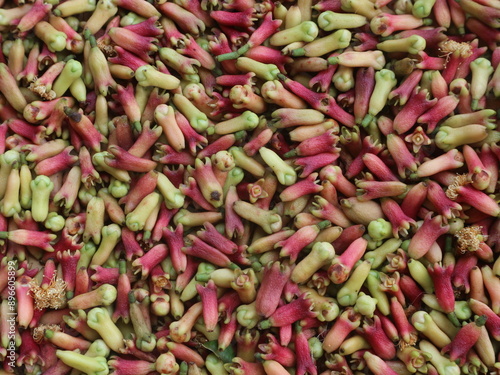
[51, 296]
[402, 344]
[42, 91]
[449, 46]
[39, 332]
[107, 49]
[162, 282]
[469, 238]
[460, 180]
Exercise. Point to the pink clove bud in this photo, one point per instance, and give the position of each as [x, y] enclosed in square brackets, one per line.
[406, 331]
[186, 20]
[25, 301]
[292, 246]
[462, 191]
[211, 236]
[400, 222]
[35, 134]
[60, 162]
[403, 92]
[227, 332]
[123, 57]
[404, 160]
[137, 44]
[443, 205]
[465, 339]
[273, 281]
[335, 175]
[84, 128]
[35, 14]
[478, 175]
[378, 167]
[411, 290]
[426, 235]
[30, 238]
[131, 245]
[204, 251]
[304, 187]
[289, 313]
[417, 105]
[321, 102]
[414, 199]
[148, 261]
[208, 295]
[373, 333]
[122, 159]
[68, 263]
[122, 366]
[341, 266]
[369, 190]
[445, 106]
[149, 27]
[243, 19]
[385, 24]
[304, 358]
[377, 365]
[193, 138]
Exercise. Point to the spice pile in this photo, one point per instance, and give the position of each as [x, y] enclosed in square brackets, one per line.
[240, 187]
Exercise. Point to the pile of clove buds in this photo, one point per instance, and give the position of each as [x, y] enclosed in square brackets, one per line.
[249, 188]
